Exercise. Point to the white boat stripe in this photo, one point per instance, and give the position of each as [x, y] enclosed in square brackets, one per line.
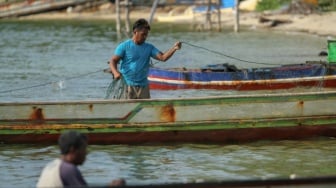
[235, 82]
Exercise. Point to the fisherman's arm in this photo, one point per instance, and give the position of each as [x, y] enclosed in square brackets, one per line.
[113, 66]
[165, 56]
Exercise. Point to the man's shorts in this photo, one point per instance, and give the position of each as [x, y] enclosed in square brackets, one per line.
[137, 92]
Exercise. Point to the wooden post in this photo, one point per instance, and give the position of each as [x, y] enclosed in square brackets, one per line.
[127, 21]
[118, 27]
[219, 6]
[153, 10]
[236, 13]
[208, 16]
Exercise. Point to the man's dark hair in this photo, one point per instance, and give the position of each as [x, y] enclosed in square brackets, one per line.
[141, 24]
[71, 139]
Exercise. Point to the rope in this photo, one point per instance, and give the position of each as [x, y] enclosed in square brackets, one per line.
[321, 82]
[117, 87]
[50, 83]
[222, 54]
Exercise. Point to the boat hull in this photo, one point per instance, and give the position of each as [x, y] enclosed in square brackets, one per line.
[292, 181]
[224, 119]
[285, 77]
[175, 136]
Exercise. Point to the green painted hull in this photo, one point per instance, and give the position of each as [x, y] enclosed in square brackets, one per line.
[211, 119]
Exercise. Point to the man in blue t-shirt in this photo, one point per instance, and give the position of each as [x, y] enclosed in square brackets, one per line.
[133, 56]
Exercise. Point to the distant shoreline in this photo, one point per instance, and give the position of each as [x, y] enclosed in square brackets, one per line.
[322, 24]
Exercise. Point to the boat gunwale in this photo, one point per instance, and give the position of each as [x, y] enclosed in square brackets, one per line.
[168, 126]
[125, 101]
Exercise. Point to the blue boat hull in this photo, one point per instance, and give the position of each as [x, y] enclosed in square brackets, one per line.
[221, 77]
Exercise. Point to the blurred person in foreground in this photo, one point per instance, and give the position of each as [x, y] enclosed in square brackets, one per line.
[63, 172]
[133, 56]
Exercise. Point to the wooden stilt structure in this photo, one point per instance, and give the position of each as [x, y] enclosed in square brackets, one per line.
[208, 24]
[153, 10]
[118, 26]
[219, 15]
[208, 19]
[126, 4]
[127, 17]
[236, 14]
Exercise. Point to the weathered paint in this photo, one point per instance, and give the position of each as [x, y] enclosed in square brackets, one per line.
[91, 107]
[168, 113]
[208, 119]
[37, 114]
[177, 136]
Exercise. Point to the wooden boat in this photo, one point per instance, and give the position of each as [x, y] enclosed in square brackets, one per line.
[228, 77]
[24, 8]
[241, 118]
[319, 181]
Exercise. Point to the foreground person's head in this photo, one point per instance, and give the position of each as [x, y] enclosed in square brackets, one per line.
[73, 147]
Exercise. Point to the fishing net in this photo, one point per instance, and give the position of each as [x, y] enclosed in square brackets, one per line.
[116, 89]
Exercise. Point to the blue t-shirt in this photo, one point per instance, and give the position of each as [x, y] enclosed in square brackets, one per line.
[134, 63]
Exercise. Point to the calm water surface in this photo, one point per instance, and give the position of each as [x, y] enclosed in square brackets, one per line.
[21, 164]
[64, 60]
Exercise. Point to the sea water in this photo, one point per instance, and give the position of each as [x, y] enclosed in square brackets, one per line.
[64, 60]
[60, 60]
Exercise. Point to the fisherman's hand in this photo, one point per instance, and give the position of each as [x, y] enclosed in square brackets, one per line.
[116, 75]
[108, 70]
[118, 182]
[178, 45]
